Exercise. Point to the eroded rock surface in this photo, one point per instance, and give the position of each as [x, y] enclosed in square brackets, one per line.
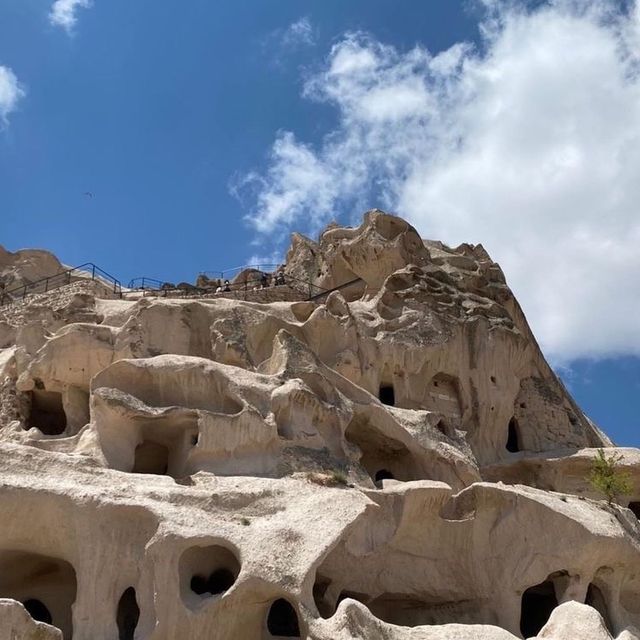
[392, 458]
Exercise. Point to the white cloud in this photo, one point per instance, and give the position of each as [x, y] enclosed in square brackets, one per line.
[10, 93]
[530, 145]
[298, 33]
[63, 13]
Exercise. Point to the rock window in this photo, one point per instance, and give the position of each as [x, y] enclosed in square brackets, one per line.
[128, 615]
[513, 436]
[47, 413]
[38, 611]
[387, 395]
[45, 585]
[219, 581]
[537, 604]
[151, 457]
[596, 600]
[206, 572]
[282, 620]
[383, 474]
[635, 507]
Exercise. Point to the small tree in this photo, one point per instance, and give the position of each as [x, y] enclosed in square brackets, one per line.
[607, 479]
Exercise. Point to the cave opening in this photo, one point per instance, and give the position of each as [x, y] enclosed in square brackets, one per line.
[513, 436]
[45, 585]
[383, 474]
[151, 457]
[128, 615]
[537, 604]
[207, 571]
[635, 507]
[387, 395]
[38, 610]
[596, 599]
[282, 620]
[47, 412]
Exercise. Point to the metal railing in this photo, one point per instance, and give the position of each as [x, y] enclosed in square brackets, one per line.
[326, 292]
[87, 271]
[266, 280]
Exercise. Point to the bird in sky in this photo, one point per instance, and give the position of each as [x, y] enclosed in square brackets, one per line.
[88, 194]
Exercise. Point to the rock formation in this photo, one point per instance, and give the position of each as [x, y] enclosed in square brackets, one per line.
[392, 458]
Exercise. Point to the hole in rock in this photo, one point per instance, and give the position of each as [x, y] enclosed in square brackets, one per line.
[38, 611]
[387, 395]
[383, 474]
[493, 379]
[207, 571]
[151, 457]
[442, 427]
[537, 604]
[596, 599]
[282, 620]
[128, 615]
[635, 507]
[320, 587]
[513, 436]
[45, 585]
[47, 412]
[382, 453]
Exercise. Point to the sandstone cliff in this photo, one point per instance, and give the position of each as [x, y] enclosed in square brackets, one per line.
[392, 458]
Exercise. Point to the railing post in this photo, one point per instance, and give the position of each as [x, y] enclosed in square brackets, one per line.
[93, 272]
[46, 285]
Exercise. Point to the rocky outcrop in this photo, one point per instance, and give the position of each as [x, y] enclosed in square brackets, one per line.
[391, 459]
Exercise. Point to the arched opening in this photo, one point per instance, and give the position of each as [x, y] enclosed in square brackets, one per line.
[387, 395]
[635, 507]
[596, 599]
[151, 457]
[37, 610]
[47, 412]
[220, 581]
[537, 604]
[282, 620]
[45, 585]
[128, 615]
[383, 474]
[381, 453]
[513, 437]
[206, 572]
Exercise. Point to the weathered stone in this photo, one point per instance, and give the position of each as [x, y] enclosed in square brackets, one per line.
[375, 449]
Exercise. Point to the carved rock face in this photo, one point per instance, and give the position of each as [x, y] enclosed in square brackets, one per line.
[381, 461]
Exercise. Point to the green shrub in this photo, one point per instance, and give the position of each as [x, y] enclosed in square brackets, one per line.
[339, 477]
[607, 479]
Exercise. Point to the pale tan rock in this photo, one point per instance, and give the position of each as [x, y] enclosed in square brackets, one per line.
[392, 459]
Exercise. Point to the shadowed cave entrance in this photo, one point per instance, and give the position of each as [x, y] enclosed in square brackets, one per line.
[151, 457]
[282, 620]
[45, 585]
[128, 615]
[513, 437]
[206, 572]
[38, 611]
[596, 599]
[635, 507]
[387, 395]
[47, 412]
[383, 457]
[537, 604]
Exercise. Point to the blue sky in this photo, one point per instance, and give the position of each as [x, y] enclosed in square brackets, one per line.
[207, 131]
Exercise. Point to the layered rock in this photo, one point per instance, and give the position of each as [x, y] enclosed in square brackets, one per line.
[392, 458]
